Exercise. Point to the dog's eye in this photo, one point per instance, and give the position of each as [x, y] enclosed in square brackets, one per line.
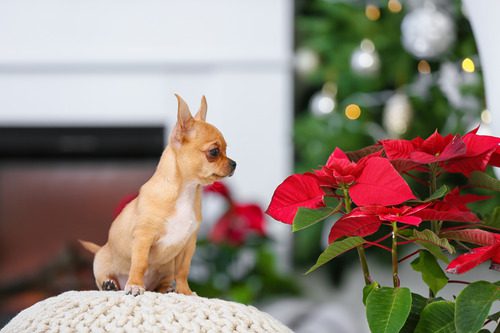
[214, 152]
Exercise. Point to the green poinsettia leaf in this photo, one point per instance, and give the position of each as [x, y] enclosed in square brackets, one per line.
[436, 251]
[438, 194]
[432, 273]
[474, 304]
[335, 249]
[437, 317]
[428, 236]
[481, 179]
[494, 316]
[368, 289]
[306, 217]
[473, 236]
[387, 309]
[332, 202]
[417, 305]
[493, 220]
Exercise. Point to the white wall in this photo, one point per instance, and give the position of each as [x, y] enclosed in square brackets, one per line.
[102, 62]
[483, 15]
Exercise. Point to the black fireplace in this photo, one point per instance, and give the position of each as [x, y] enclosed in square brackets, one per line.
[58, 185]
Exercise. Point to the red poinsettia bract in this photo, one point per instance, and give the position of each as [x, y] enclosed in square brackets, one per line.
[299, 190]
[371, 181]
[482, 150]
[453, 207]
[477, 256]
[364, 221]
[339, 170]
[454, 154]
[434, 149]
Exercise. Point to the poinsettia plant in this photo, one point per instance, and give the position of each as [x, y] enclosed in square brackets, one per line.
[377, 207]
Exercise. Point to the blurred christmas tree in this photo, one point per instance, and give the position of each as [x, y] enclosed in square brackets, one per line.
[368, 70]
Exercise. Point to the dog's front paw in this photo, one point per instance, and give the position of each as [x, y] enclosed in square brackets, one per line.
[134, 289]
[183, 289]
[167, 290]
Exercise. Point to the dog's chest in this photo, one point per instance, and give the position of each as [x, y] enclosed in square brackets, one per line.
[182, 224]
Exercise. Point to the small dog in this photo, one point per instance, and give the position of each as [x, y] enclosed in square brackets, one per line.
[151, 243]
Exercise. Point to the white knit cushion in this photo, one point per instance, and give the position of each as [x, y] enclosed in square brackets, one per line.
[112, 311]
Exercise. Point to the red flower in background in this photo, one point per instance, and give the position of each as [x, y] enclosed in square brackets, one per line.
[453, 153]
[123, 203]
[477, 256]
[219, 188]
[239, 221]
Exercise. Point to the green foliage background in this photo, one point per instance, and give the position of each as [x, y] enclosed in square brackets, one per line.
[334, 30]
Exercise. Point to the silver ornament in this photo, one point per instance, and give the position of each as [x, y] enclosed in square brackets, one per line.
[427, 32]
[365, 59]
[451, 80]
[323, 102]
[397, 115]
[306, 61]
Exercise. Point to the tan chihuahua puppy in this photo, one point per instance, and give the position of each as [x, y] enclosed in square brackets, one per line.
[151, 243]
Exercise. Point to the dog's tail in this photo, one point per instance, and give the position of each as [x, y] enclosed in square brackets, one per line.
[91, 247]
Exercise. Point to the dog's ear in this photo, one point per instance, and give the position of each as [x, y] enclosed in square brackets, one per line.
[185, 120]
[202, 112]
[184, 117]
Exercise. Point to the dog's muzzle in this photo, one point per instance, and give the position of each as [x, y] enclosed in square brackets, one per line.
[232, 164]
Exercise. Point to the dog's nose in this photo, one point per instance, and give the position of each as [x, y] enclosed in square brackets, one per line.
[232, 164]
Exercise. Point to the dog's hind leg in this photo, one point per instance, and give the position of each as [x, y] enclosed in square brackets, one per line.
[182, 266]
[104, 277]
[110, 284]
[167, 283]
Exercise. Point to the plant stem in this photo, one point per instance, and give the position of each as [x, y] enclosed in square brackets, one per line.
[383, 247]
[458, 282]
[395, 277]
[435, 225]
[347, 200]
[364, 265]
[361, 250]
[433, 183]
[406, 242]
[408, 256]
[432, 188]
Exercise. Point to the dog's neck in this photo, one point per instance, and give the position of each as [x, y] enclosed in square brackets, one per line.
[167, 182]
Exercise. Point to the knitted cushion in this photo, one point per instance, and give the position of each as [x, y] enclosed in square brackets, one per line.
[111, 311]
